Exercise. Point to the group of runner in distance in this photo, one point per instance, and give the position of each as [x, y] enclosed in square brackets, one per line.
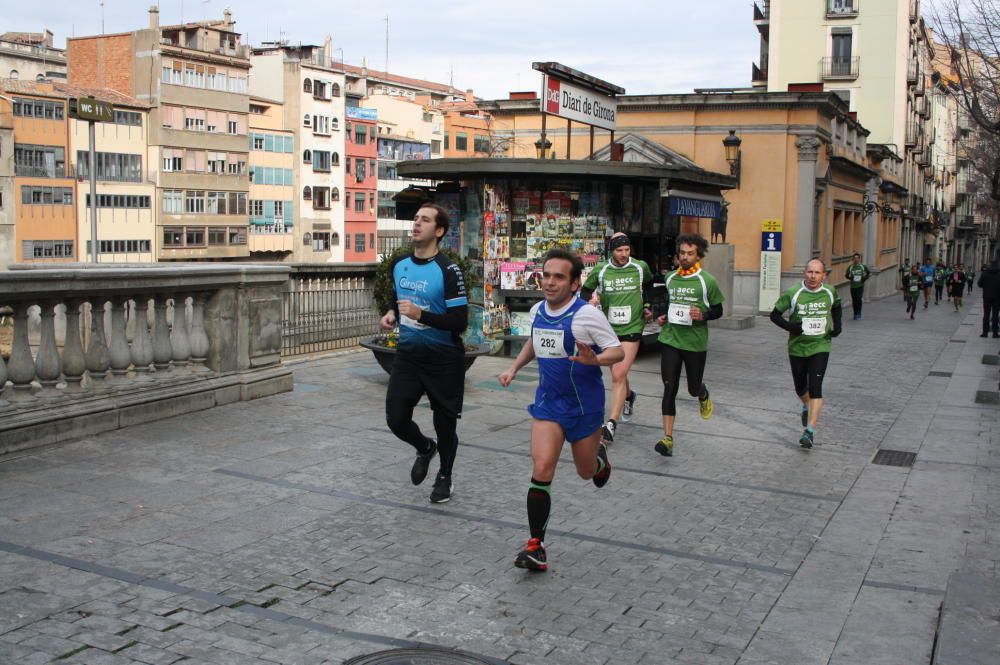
[579, 327]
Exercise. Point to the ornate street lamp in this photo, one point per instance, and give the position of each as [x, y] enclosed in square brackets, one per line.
[732, 145]
[542, 147]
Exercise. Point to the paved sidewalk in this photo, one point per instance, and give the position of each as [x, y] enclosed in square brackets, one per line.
[286, 530]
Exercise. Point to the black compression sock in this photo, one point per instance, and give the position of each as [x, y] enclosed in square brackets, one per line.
[539, 505]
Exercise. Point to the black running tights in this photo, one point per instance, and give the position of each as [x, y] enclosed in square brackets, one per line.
[807, 373]
[671, 360]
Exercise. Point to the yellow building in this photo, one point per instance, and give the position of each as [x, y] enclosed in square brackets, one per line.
[803, 160]
[272, 184]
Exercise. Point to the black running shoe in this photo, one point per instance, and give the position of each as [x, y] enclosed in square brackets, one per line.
[420, 465]
[629, 408]
[442, 489]
[601, 477]
[665, 446]
[532, 556]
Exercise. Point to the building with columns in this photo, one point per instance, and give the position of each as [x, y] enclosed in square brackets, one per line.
[803, 160]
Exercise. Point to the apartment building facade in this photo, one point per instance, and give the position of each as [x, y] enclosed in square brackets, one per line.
[30, 56]
[304, 80]
[361, 185]
[195, 78]
[8, 212]
[272, 183]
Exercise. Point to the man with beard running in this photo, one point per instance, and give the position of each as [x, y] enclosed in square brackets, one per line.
[693, 299]
[572, 341]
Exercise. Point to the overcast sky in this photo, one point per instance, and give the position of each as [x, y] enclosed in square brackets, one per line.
[645, 46]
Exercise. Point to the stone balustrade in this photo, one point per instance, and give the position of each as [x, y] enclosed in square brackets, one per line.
[97, 348]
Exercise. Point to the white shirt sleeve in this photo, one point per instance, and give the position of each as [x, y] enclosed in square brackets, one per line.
[591, 327]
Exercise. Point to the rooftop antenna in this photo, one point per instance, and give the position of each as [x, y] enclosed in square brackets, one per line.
[387, 44]
[102, 17]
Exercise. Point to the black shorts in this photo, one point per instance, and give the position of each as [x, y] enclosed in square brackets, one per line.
[443, 381]
[631, 337]
[808, 372]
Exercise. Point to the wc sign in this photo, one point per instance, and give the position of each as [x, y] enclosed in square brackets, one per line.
[770, 264]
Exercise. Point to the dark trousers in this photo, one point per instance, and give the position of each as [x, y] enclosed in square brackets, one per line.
[856, 300]
[991, 316]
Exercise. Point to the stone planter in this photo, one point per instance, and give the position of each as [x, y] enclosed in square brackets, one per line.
[387, 355]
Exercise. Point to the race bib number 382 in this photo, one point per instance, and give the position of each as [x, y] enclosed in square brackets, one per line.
[548, 343]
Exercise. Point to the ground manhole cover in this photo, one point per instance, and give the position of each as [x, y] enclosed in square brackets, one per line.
[894, 458]
[420, 657]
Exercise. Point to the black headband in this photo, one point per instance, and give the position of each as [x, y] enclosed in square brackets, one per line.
[619, 241]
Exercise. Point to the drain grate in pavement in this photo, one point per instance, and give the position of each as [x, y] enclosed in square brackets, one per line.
[938, 373]
[894, 458]
[419, 657]
[957, 341]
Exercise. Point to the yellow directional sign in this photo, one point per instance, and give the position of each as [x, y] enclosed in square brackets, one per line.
[770, 225]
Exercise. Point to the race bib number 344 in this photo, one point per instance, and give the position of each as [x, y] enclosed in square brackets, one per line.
[548, 343]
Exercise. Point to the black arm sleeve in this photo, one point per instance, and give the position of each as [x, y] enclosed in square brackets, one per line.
[780, 321]
[454, 319]
[647, 292]
[393, 299]
[714, 312]
[837, 313]
[586, 293]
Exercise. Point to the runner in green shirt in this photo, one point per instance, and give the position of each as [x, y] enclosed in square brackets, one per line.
[693, 299]
[815, 317]
[857, 274]
[623, 284]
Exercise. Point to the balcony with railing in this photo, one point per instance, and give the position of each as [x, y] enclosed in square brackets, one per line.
[966, 222]
[840, 68]
[762, 13]
[914, 135]
[912, 72]
[841, 8]
[758, 75]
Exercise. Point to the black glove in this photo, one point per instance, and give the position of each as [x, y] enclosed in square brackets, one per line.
[836, 332]
[794, 328]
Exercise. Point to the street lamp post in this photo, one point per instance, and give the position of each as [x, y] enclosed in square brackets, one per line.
[732, 145]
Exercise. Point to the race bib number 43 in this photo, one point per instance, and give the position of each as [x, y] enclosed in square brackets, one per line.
[814, 325]
[548, 343]
[679, 315]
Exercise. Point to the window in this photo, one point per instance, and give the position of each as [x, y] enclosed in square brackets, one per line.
[37, 195]
[46, 249]
[359, 170]
[194, 236]
[319, 90]
[335, 194]
[307, 156]
[307, 86]
[307, 120]
[359, 242]
[360, 135]
[173, 201]
[321, 242]
[371, 132]
[334, 124]
[321, 124]
[841, 39]
[371, 241]
[173, 236]
[335, 158]
[359, 202]
[110, 166]
[36, 108]
[335, 90]
[279, 209]
[461, 141]
[39, 161]
[237, 235]
[194, 124]
[257, 142]
[234, 127]
[481, 143]
[173, 163]
[14, 74]
[321, 160]
[131, 118]
[321, 198]
[194, 202]
[447, 145]
[256, 208]
[372, 167]
[120, 201]
[216, 235]
[348, 164]
[307, 193]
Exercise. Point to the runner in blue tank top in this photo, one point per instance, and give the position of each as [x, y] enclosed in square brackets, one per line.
[571, 341]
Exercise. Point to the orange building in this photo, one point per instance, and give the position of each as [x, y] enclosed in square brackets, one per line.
[360, 184]
[468, 130]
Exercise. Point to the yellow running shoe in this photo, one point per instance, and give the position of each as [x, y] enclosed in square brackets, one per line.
[706, 408]
[665, 446]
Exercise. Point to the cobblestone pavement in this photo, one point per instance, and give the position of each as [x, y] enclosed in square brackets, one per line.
[286, 530]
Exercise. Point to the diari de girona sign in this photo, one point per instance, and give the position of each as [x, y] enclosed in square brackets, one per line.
[579, 104]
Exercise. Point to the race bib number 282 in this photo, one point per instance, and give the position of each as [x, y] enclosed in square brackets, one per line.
[548, 343]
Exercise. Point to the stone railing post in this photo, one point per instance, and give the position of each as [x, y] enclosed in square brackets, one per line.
[118, 353]
[74, 364]
[142, 344]
[179, 338]
[47, 366]
[98, 359]
[162, 352]
[22, 366]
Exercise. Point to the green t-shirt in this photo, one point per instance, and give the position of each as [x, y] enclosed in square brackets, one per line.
[857, 273]
[698, 290]
[621, 293]
[811, 309]
[940, 275]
